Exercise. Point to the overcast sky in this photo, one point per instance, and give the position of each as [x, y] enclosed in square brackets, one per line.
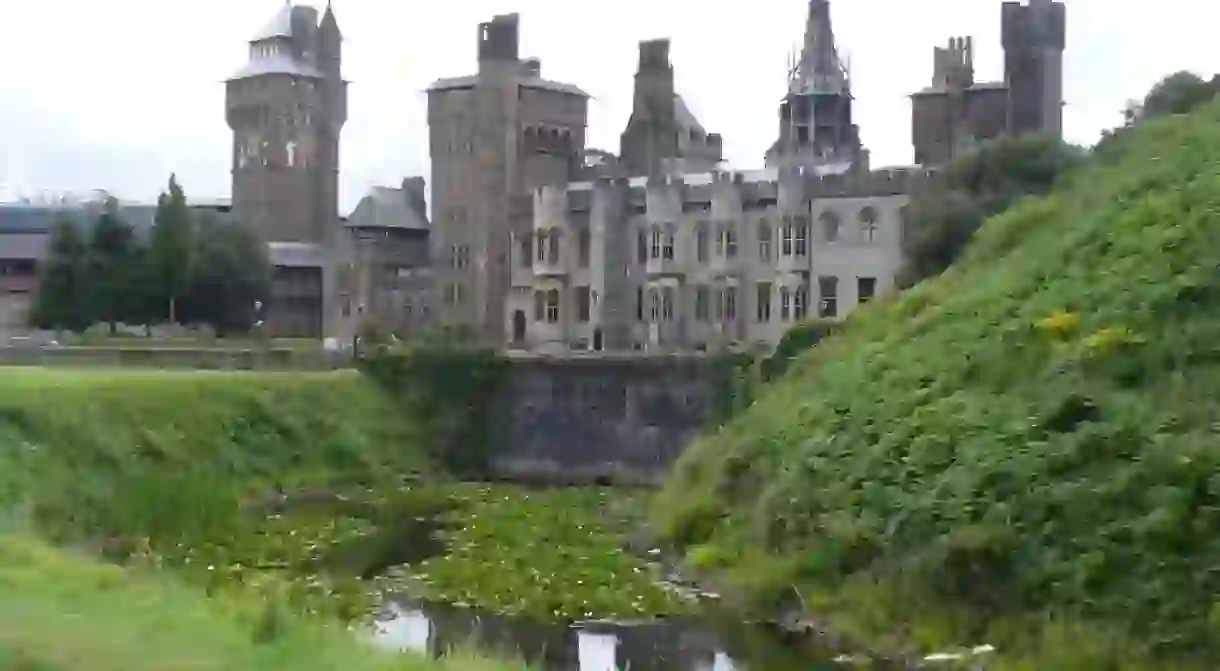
[117, 94]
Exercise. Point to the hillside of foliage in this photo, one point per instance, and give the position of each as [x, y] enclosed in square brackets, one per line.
[1025, 443]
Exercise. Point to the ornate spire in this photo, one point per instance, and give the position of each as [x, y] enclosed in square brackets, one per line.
[819, 69]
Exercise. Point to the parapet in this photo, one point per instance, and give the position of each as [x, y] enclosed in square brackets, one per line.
[654, 55]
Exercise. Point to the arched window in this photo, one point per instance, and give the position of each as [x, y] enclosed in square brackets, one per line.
[800, 302]
[539, 305]
[667, 249]
[764, 241]
[830, 226]
[552, 306]
[654, 304]
[554, 246]
[802, 236]
[667, 304]
[868, 223]
[541, 247]
[785, 303]
[655, 249]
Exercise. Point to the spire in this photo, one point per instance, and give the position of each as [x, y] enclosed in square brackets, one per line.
[329, 24]
[819, 69]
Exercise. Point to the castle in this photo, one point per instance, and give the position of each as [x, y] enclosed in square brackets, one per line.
[539, 242]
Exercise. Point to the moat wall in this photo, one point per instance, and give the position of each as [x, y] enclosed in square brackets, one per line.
[614, 418]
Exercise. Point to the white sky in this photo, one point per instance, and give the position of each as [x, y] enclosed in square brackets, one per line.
[116, 94]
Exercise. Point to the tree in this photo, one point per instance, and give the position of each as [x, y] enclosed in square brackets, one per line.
[232, 271]
[113, 266]
[170, 252]
[62, 282]
[974, 187]
[1178, 93]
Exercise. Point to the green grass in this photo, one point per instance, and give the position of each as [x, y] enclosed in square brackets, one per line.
[1022, 450]
[62, 613]
[94, 453]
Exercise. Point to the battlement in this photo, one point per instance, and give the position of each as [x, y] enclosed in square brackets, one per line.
[953, 65]
[1038, 24]
[654, 55]
[499, 38]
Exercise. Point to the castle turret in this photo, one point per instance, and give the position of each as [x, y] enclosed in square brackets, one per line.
[1034, 37]
[662, 135]
[815, 118]
[287, 107]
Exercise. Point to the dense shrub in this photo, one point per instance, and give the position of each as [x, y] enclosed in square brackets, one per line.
[1031, 433]
[448, 391]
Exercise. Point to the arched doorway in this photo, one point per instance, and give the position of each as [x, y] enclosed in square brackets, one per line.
[597, 340]
[519, 326]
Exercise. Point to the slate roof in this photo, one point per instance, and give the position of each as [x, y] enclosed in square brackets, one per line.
[387, 207]
[280, 25]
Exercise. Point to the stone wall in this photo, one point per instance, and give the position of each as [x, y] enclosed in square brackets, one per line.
[586, 418]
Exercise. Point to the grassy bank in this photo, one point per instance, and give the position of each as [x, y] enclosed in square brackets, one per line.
[86, 455]
[1020, 452]
[63, 613]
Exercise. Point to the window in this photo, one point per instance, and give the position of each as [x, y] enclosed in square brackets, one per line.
[764, 242]
[763, 303]
[667, 250]
[654, 303]
[830, 226]
[802, 236]
[730, 304]
[866, 288]
[656, 242]
[667, 304]
[541, 247]
[552, 306]
[539, 305]
[584, 243]
[720, 242]
[800, 303]
[868, 224]
[701, 304]
[786, 249]
[828, 290]
[730, 242]
[639, 304]
[785, 303]
[701, 242]
[583, 303]
[554, 246]
[527, 256]
[641, 246]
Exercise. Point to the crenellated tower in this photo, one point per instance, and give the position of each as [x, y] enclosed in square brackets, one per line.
[1034, 37]
[816, 130]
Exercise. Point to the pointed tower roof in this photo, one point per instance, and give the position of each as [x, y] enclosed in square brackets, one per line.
[280, 25]
[819, 69]
[329, 23]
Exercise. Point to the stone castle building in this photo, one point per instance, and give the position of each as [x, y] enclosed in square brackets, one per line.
[287, 107]
[955, 112]
[661, 249]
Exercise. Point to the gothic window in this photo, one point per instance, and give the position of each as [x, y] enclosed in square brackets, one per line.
[655, 248]
[763, 302]
[785, 303]
[552, 306]
[641, 238]
[730, 241]
[541, 248]
[868, 223]
[701, 242]
[764, 242]
[720, 242]
[786, 245]
[654, 303]
[667, 304]
[639, 304]
[800, 302]
[554, 246]
[667, 249]
[701, 304]
[584, 243]
[830, 226]
[802, 236]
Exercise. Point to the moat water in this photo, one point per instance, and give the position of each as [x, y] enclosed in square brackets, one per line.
[666, 645]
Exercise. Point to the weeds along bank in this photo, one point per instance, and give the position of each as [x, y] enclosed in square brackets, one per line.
[62, 612]
[90, 454]
[1021, 452]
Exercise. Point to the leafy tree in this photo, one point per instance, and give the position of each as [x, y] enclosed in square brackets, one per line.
[62, 282]
[1178, 93]
[113, 265]
[975, 186]
[170, 252]
[232, 271]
